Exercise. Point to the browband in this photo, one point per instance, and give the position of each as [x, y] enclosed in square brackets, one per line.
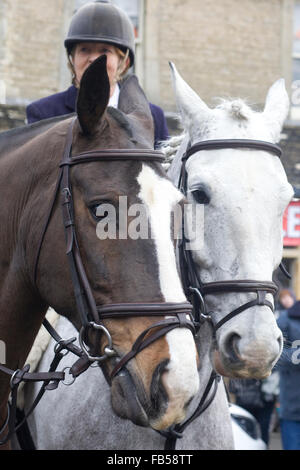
[115, 155]
[233, 144]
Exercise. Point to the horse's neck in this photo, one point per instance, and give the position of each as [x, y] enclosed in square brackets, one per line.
[14, 138]
[27, 174]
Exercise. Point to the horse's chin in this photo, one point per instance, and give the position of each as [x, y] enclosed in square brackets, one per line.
[125, 401]
[238, 370]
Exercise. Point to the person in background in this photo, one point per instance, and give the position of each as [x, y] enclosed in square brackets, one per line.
[286, 299]
[289, 372]
[97, 28]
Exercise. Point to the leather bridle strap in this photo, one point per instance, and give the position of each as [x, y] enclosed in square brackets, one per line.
[191, 281]
[115, 155]
[144, 339]
[143, 309]
[260, 288]
[176, 432]
[92, 315]
[219, 144]
[238, 286]
[86, 304]
[179, 313]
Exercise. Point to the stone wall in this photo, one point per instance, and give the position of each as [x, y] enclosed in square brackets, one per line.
[221, 48]
[31, 47]
[11, 116]
[290, 145]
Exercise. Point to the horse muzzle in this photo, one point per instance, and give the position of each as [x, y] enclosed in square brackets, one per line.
[249, 355]
[159, 407]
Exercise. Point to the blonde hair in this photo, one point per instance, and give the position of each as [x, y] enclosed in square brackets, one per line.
[122, 69]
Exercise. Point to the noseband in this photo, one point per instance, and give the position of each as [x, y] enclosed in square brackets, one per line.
[193, 286]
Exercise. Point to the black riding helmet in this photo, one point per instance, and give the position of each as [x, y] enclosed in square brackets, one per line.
[101, 21]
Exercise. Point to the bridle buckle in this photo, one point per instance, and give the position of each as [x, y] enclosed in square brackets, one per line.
[108, 349]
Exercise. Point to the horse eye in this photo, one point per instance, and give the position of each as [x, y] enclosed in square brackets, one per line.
[97, 213]
[201, 196]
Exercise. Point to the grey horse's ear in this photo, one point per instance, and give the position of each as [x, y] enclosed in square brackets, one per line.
[93, 96]
[276, 108]
[192, 109]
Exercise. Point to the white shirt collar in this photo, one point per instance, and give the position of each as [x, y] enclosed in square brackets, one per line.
[114, 99]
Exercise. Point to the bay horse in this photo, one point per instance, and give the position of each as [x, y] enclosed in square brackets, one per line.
[243, 191]
[123, 295]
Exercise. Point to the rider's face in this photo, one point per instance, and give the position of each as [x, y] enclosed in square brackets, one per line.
[86, 52]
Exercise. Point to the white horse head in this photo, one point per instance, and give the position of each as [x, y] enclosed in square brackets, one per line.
[244, 192]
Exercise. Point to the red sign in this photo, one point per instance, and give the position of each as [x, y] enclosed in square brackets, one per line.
[291, 224]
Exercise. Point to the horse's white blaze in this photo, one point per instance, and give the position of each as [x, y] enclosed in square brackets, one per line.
[160, 198]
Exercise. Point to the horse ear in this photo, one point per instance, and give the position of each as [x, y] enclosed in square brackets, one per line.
[192, 109]
[134, 104]
[276, 108]
[93, 96]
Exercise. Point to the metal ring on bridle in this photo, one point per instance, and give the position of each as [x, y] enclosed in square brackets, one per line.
[200, 297]
[108, 350]
[62, 343]
[72, 380]
[11, 382]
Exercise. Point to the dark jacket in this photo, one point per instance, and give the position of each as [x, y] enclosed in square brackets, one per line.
[289, 363]
[65, 102]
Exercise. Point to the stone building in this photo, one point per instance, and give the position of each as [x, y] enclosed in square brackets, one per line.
[227, 48]
[222, 47]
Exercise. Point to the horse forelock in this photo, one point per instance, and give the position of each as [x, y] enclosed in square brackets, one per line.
[237, 109]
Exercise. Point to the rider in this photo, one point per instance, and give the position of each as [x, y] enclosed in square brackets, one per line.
[96, 28]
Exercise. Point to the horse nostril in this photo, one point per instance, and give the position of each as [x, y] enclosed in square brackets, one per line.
[231, 347]
[280, 342]
[158, 394]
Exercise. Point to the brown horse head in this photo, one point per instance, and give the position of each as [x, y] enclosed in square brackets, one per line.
[122, 216]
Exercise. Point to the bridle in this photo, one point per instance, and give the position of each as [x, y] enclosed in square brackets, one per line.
[193, 286]
[196, 290]
[178, 315]
[91, 315]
